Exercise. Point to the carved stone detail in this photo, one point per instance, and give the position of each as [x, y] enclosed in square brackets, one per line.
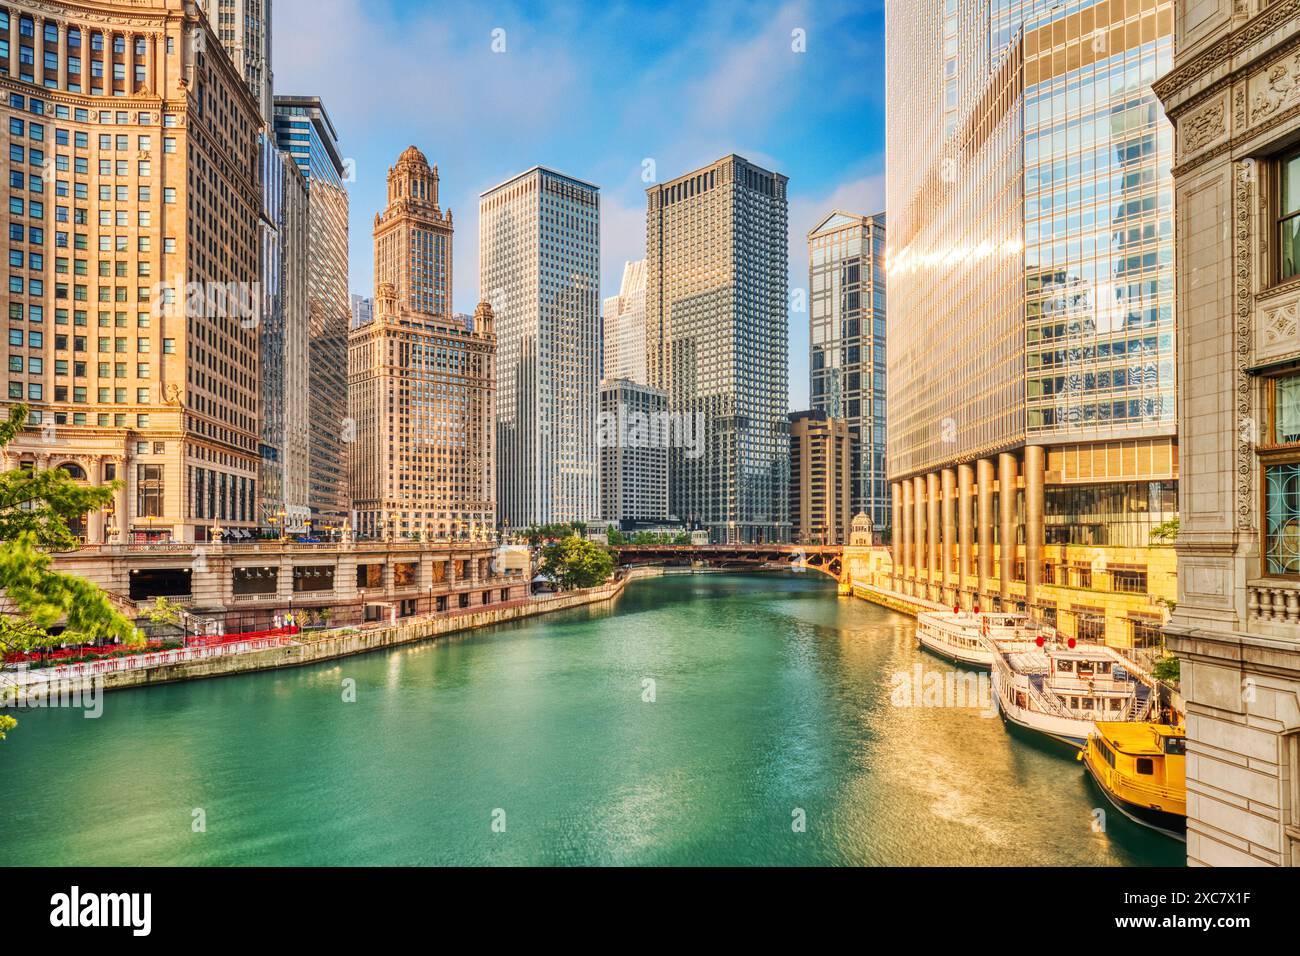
[1243, 218]
[1201, 129]
[1279, 325]
[1278, 87]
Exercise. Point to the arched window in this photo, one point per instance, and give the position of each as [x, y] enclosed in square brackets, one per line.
[74, 470]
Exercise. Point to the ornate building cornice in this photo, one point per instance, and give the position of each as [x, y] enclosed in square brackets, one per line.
[1246, 36]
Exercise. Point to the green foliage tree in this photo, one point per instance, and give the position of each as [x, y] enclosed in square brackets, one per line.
[1166, 669]
[573, 562]
[37, 508]
[615, 536]
[1165, 532]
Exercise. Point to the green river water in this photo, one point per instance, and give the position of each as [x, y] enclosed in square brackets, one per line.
[771, 739]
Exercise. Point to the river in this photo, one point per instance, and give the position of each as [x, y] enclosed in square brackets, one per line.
[702, 719]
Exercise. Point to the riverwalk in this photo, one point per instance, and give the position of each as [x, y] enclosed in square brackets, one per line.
[164, 667]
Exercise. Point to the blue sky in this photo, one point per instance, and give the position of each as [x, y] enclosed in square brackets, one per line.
[593, 90]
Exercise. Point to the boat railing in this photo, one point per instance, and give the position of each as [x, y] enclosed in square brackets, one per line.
[1133, 782]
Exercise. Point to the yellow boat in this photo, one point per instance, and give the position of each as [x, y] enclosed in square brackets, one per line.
[1140, 768]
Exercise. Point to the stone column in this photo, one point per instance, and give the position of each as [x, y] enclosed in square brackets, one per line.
[918, 531]
[932, 528]
[965, 481]
[1006, 524]
[948, 479]
[984, 526]
[904, 548]
[896, 528]
[1033, 521]
[38, 47]
[121, 516]
[95, 520]
[63, 57]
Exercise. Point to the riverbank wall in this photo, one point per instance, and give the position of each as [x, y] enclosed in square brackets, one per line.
[332, 646]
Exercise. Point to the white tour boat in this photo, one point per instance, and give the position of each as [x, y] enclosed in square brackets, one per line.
[1061, 688]
[963, 636]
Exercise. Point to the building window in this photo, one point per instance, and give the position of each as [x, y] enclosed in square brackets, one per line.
[1128, 579]
[1288, 211]
[1280, 461]
[149, 491]
[1090, 625]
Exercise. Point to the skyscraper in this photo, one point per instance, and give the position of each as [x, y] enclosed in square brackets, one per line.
[244, 28]
[624, 327]
[633, 454]
[1031, 341]
[716, 325]
[285, 373]
[304, 131]
[539, 266]
[846, 326]
[421, 381]
[821, 478]
[1236, 629]
[134, 303]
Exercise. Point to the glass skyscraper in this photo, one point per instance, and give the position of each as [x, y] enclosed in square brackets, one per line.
[716, 326]
[304, 131]
[846, 308]
[1032, 444]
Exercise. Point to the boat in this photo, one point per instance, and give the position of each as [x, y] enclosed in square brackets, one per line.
[1140, 769]
[1061, 688]
[963, 636]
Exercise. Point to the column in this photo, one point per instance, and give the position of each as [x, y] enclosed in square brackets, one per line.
[63, 57]
[896, 527]
[918, 532]
[1006, 524]
[38, 48]
[94, 520]
[1033, 521]
[984, 526]
[948, 480]
[965, 483]
[904, 550]
[932, 529]
[121, 516]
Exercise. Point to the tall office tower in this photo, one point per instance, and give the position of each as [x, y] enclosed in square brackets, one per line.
[539, 266]
[633, 453]
[1032, 448]
[421, 381]
[846, 324]
[363, 310]
[244, 29]
[1236, 629]
[624, 326]
[304, 131]
[133, 303]
[716, 326]
[285, 446]
[821, 478]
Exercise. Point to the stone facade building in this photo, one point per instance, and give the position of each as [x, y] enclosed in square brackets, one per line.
[821, 478]
[1234, 93]
[421, 380]
[134, 294]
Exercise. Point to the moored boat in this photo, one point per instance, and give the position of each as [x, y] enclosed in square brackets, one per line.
[1062, 688]
[1140, 768]
[963, 636]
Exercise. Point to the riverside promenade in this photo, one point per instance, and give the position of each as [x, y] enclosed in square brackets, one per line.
[166, 667]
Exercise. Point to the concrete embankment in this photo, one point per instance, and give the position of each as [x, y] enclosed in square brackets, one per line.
[895, 601]
[358, 642]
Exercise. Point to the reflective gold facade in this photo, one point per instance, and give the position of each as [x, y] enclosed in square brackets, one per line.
[1031, 372]
[133, 298]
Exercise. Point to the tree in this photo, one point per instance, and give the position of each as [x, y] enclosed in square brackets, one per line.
[37, 508]
[615, 536]
[165, 613]
[574, 562]
[1166, 669]
[1165, 532]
